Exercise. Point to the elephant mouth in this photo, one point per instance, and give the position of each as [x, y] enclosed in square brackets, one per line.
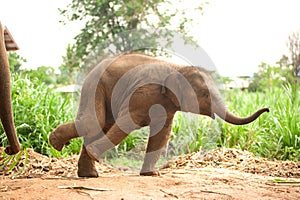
[213, 115]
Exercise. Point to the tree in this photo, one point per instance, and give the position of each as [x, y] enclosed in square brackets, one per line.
[270, 76]
[42, 74]
[15, 61]
[287, 69]
[118, 24]
[294, 48]
[69, 67]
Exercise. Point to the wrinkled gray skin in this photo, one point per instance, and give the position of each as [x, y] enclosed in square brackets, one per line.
[131, 91]
[5, 100]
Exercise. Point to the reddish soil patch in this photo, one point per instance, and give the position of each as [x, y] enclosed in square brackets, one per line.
[218, 174]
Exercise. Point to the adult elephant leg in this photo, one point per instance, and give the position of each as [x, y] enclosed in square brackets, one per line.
[156, 143]
[5, 98]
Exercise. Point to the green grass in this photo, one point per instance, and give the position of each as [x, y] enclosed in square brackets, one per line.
[192, 132]
[38, 109]
[273, 135]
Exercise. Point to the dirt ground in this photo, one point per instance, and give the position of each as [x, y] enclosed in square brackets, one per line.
[218, 174]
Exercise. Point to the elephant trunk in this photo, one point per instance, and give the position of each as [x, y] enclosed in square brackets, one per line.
[231, 118]
[221, 110]
[5, 97]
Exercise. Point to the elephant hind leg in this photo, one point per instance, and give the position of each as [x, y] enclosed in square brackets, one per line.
[86, 165]
[112, 138]
[116, 134]
[90, 120]
[62, 134]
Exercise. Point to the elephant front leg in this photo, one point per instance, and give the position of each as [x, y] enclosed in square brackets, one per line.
[156, 143]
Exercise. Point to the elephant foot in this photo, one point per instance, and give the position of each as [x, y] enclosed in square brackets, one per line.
[86, 166]
[61, 135]
[150, 173]
[91, 173]
[9, 150]
[56, 142]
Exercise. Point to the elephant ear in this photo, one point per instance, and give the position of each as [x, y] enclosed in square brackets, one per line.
[171, 88]
[178, 89]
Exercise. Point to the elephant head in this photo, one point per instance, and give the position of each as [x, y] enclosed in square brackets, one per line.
[194, 90]
[5, 98]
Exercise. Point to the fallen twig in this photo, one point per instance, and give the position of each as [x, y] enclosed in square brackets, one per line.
[83, 188]
[212, 192]
[170, 194]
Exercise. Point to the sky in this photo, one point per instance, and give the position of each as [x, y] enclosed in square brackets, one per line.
[236, 34]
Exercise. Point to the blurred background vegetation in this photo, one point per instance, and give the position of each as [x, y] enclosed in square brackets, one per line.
[39, 107]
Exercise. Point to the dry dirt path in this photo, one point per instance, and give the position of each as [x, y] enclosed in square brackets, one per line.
[182, 178]
[207, 183]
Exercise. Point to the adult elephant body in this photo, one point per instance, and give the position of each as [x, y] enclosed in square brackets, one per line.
[131, 91]
[5, 99]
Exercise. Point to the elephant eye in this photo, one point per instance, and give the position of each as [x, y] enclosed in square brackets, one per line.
[205, 95]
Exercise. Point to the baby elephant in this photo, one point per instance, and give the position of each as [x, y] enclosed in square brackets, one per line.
[131, 91]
